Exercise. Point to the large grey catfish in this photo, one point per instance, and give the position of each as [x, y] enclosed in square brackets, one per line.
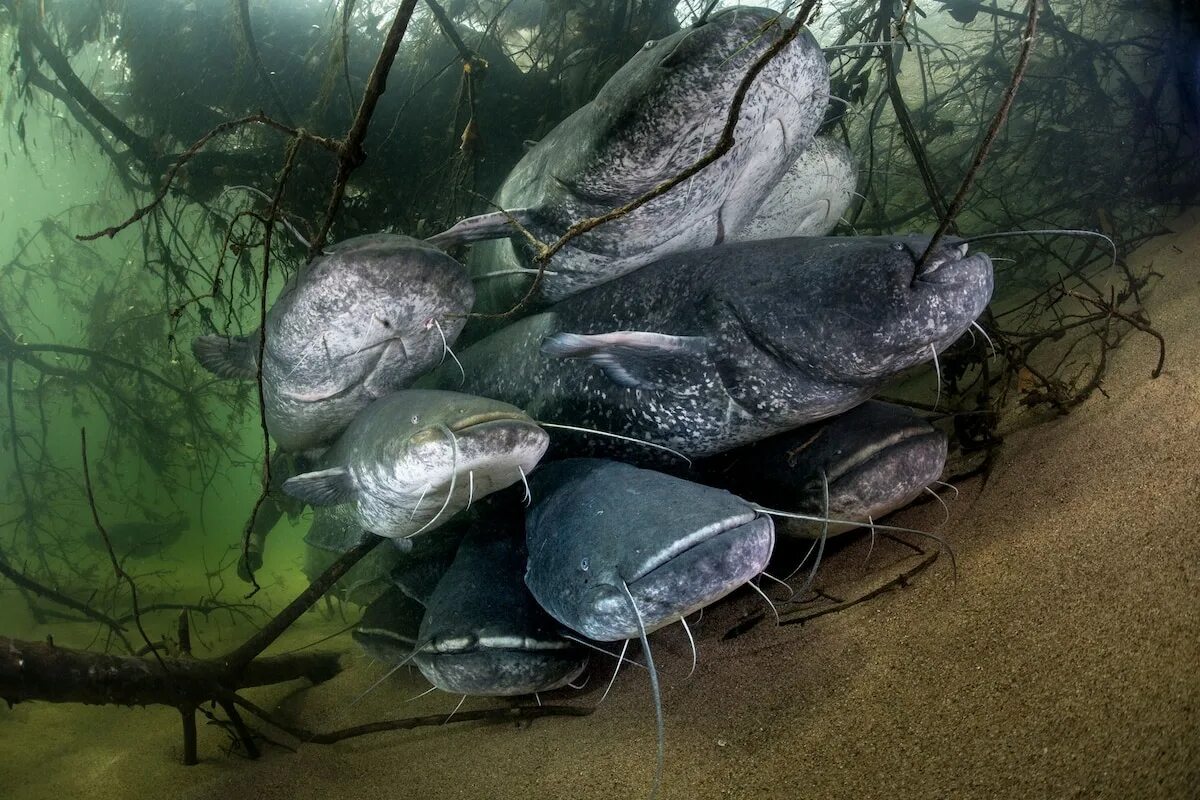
[364, 319]
[657, 115]
[707, 350]
[856, 467]
[413, 459]
[603, 535]
[483, 633]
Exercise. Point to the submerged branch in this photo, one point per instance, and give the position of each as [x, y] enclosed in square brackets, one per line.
[1010, 93]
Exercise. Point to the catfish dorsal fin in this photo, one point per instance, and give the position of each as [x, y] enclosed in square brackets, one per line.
[633, 359]
[228, 356]
[325, 487]
[496, 225]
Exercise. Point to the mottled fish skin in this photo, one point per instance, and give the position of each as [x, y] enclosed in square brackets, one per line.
[356, 323]
[745, 340]
[872, 460]
[599, 528]
[810, 199]
[657, 115]
[413, 459]
[483, 633]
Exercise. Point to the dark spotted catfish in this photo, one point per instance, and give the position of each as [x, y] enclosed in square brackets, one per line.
[855, 468]
[657, 115]
[708, 350]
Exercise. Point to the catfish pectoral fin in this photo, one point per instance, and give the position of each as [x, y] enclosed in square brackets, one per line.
[326, 487]
[633, 359]
[228, 356]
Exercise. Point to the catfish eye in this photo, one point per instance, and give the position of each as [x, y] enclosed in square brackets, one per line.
[898, 246]
[415, 420]
[583, 565]
[649, 43]
[386, 323]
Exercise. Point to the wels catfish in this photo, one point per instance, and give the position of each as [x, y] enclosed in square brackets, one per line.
[810, 199]
[388, 629]
[483, 633]
[869, 461]
[413, 459]
[357, 322]
[708, 350]
[141, 539]
[616, 552]
[655, 117]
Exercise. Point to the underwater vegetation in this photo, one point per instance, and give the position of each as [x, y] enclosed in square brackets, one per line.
[550, 324]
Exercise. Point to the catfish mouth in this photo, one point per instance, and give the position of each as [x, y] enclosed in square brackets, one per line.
[456, 646]
[952, 264]
[907, 438]
[487, 417]
[695, 543]
[375, 354]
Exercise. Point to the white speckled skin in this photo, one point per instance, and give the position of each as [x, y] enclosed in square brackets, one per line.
[662, 111]
[796, 330]
[353, 325]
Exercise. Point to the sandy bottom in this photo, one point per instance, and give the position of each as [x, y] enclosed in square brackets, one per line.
[1063, 662]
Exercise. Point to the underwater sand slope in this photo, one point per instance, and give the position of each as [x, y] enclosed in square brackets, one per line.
[1061, 664]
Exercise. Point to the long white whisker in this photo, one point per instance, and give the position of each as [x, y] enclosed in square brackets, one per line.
[524, 480]
[376, 684]
[598, 649]
[456, 708]
[470, 487]
[420, 500]
[763, 595]
[803, 560]
[949, 486]
[620, 660]
[446, 349]
[812, 575]
[586, 680]
[1046, 232]
[675, 453]
[871, 548]
[538, 697]
[784, 584]
[991, 344]
[945, 508]
[430, 690]
[654, 688]
[692, 641]
[453, 480]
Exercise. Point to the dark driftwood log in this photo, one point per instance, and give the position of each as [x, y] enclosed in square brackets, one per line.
[52, 674]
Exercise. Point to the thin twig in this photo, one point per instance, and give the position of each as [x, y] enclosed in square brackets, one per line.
[117, 568]
[263, 299]
[1010, 93]
[197, 146]
[350, 150]
[21, 579]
